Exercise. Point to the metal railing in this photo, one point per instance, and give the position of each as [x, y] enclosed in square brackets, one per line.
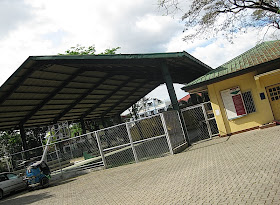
[130, 142]
[200, 122]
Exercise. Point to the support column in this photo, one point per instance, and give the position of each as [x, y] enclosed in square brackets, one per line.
[131, 143]
[83, 126]
[166, 133]
[119, 119]
[57, 155]
[172, 95]
[23, 140]
[170, 88]
[100, 149]
[103, 122]
[23, 137]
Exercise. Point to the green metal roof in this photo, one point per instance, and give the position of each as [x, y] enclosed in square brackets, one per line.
[260, 54]
[49, 89]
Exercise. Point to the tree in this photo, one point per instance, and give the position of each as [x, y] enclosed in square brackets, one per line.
[82, 50]
[205, 18]
[133, 110]
[76, 129]
[141, 105]
[11, 141]
[110, 51]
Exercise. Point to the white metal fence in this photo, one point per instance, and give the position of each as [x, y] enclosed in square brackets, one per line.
[200, 122]
[130, 142]
[174, 128]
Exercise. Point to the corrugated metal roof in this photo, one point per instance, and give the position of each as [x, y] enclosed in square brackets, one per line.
[262, 53]
[48, 89]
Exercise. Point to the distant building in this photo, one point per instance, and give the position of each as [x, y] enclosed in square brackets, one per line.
[151, 106]
[190, 100]
[185, 99]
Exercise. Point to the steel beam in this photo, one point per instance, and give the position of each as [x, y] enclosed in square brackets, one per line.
[38, 107]
[126, 96]
[18, 83]
[81, 98]
[105, 98]
[137, 99]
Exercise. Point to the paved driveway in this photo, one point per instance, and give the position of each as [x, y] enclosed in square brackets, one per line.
[242, 169]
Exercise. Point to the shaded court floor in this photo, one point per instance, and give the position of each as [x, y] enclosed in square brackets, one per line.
[241, 169]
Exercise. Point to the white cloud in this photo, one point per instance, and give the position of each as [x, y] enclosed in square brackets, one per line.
[55, 26]
[221, 50]
[13, 14]
[216, 51]
[43, 27]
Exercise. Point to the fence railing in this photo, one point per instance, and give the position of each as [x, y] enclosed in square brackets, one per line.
[130, 142]
[200, 122]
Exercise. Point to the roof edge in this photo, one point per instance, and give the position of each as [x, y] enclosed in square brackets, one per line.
[114, 56]
[227, 76]
[122, 57]
[28, 61]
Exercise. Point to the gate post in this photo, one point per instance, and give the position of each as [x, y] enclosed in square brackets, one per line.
[206, 120]
[186, 134]
[166, 133]
[57, 155]
[131, 142]
[100, 149]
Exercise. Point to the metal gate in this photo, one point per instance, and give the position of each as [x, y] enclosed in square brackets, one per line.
[200, 122]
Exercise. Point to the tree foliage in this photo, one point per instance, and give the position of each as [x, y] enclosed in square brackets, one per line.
[10, 141]
[110, 51]
[141, 105]
[227, 16]
[82, 50]
[76, 130]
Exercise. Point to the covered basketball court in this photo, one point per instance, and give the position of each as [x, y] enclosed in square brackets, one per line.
[45, 90]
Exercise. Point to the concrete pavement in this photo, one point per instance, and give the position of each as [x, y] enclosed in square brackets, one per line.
[242, 169]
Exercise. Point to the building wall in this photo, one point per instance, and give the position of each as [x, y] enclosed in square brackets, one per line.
[246, 82]
[268, 80]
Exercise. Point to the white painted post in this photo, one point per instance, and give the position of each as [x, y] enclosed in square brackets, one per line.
[131, 142]
[182, 126]
[206, 120]
[100, 149]
[58, 158]
[166, 133]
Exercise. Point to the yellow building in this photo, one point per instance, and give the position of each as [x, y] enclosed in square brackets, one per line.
[244, 92]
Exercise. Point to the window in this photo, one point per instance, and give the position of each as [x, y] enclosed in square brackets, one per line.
[249, 102]
[274, 93]
[11, 176]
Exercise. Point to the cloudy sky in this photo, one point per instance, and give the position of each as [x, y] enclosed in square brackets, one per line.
[40, 27]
